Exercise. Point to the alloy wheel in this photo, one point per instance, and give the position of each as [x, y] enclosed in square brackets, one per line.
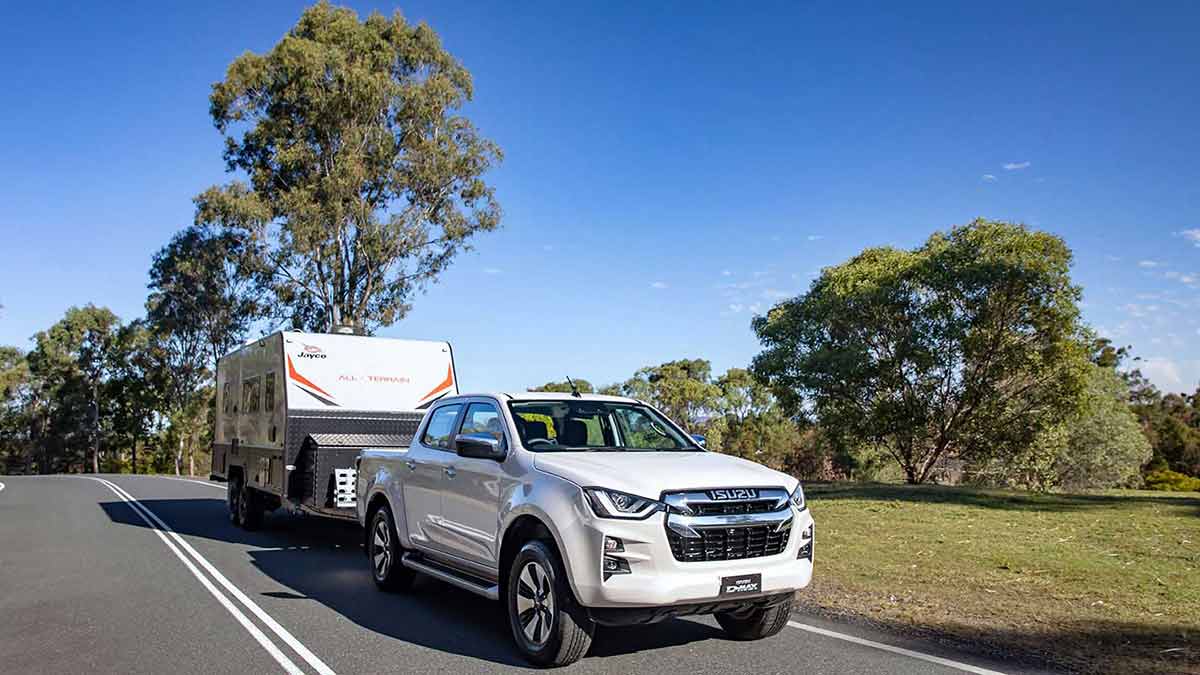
[381, 554]
[535, 603]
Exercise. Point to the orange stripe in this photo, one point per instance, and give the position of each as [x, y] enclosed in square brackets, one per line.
[445, 383]
[301, 379]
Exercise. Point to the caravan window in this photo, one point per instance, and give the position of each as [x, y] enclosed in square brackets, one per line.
[226, 399]
[269, 392]
[251, 396]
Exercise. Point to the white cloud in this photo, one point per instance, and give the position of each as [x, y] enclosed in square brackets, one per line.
[1139, 311]
[1016, 166]
[1149, 264]
[726, 273]
[492, 270]
[1162, 372]
[815, 237]
[547, 247]
[776, 294]
[755, 308]
[989, 178]
[1112, 258]
[659, 285]
[735, 307]
[1192, 235]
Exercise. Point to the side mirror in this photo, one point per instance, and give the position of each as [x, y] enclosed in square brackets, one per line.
[700, 440]
[480, 446]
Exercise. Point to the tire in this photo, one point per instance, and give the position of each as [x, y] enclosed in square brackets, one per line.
[233, 496]
[549, 628]
[384, 552]
[250, 510]
[755, 624]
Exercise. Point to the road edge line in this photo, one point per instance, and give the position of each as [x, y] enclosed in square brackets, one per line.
[255, 632]
[895, 650]
[192, 480]
[283, 633]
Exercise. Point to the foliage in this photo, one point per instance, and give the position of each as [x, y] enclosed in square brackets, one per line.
[204, 296]
[1172, 481]
[1101, 446]
[682, 389]
[364, 183]
[564, 387]
[968, 345]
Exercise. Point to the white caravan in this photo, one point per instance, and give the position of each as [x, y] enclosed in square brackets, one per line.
[294, 410]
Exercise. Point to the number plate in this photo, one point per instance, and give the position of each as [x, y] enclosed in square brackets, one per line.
[741, 584]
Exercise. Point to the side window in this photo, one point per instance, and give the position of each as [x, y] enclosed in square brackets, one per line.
[227, 398]
[269, 393]
[441, 427]
[251, 396]
[483, 418]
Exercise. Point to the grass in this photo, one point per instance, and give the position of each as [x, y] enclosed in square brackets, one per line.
[1098, 582]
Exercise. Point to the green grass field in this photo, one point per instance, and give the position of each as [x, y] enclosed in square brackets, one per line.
[1100, 582]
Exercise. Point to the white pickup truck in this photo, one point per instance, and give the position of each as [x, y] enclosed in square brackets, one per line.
[576, 511]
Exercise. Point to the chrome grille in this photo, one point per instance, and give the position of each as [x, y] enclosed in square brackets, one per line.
[728, 543]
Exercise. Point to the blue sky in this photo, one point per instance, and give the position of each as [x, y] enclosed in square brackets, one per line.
[671, 168]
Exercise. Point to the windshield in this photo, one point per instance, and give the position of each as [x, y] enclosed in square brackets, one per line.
[601, 426]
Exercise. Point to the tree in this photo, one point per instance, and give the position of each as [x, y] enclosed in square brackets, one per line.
[204, 296]
[69, 365]
[14, 423]
[364, 183]
[682, 389]
[748, 423]
[1105, 446]
[564, 387]
[969, 344]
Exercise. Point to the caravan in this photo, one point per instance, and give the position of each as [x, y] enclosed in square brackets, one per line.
[294, 410]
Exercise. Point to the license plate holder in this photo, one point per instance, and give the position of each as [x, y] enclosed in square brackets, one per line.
[742, 584]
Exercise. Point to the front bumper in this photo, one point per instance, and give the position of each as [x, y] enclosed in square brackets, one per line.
[657, 580]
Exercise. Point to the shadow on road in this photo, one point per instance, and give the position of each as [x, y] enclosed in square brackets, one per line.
[322, 559]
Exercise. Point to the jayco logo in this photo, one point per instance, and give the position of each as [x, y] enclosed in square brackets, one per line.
[311, 352]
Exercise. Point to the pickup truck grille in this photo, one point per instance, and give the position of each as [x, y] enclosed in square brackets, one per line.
[728, 543]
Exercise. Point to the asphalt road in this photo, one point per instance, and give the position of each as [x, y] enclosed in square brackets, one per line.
[91, 580]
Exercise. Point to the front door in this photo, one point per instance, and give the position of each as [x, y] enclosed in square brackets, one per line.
[471, 497]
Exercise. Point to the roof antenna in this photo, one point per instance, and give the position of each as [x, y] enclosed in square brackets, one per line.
[574, 389]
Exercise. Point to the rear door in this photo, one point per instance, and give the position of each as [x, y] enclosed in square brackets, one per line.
[422, 474]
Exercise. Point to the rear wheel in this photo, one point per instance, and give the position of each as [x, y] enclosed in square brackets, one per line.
[233, 496]
[250, 509]
[547, 625]
[383, 552]
[756, 623]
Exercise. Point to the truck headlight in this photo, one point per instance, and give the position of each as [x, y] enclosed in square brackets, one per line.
[613, 504]
[798, 497]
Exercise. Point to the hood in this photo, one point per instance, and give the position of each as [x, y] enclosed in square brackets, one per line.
[649, 474]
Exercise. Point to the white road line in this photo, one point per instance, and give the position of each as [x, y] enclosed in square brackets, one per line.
[895, 650]
[312, 659]
[220, 487]
[254, 630]
[1, 487]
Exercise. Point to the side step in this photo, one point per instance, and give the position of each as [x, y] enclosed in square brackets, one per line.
[452, 577]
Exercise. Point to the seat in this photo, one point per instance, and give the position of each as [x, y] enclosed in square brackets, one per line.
[575, 433]
[534, 429]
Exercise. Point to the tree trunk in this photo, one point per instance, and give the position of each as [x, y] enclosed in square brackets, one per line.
[134, 467]
[179, 457]
[192, 456]
[96, 455]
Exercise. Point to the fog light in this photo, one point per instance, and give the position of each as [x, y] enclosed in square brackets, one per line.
[614, 565]
[806, 548]
[613, 545]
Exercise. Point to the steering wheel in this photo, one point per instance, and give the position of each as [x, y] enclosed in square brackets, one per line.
[545, 441]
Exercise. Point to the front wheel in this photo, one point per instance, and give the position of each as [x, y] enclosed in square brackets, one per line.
[547, 625]
[250, 509]
[233, 495]
[757, 623]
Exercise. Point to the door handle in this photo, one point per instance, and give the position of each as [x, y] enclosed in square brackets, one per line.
[450, 472]
[412, 466]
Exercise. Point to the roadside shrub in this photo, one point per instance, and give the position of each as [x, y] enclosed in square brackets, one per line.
[1171, 481]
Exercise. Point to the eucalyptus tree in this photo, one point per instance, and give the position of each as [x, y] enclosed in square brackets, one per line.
[364, 181]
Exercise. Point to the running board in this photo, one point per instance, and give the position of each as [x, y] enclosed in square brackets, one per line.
[412, 562]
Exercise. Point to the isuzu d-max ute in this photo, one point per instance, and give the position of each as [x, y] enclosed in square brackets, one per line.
[577, 511]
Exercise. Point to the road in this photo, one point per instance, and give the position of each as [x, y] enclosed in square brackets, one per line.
[145, 574]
